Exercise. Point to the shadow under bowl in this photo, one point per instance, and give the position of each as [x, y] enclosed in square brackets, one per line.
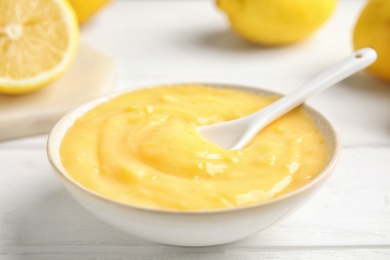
[191, 228]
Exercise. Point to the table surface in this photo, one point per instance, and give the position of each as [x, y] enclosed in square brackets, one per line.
[154, 42]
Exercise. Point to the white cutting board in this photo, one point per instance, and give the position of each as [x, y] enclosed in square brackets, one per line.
[90, 76]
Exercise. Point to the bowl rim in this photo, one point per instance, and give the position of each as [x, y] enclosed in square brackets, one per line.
[80, 110]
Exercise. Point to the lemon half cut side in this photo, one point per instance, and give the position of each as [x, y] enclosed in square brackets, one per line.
[38, 42]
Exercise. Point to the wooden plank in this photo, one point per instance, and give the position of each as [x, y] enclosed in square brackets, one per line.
[215, 253]
[352, 208]
[35, 142]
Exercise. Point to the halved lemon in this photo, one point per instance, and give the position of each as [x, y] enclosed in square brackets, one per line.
[38, 42]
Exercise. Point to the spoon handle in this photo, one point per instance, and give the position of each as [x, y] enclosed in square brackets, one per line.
[352, 64]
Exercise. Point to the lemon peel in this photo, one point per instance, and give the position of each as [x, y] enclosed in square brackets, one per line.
[372, 30]
[276, 22]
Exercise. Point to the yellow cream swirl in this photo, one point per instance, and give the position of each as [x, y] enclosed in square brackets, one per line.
[143, 148]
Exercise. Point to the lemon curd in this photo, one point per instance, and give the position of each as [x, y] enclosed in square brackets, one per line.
[143, 148]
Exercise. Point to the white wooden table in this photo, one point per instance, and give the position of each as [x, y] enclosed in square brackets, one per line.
[175, 41]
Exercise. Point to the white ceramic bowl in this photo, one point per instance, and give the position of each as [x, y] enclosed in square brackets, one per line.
[204, 228]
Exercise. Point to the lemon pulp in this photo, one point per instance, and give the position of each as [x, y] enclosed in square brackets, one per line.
[38, 41]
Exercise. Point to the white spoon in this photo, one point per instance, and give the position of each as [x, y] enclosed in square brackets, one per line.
[235, 134]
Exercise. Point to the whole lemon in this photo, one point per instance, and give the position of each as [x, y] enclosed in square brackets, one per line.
[86, 8]
[276, 22]
[373, 30]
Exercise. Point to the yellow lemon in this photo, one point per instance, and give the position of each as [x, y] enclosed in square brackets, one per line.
[86, 8]
[373, 30]
[38, 41]
[276, 22]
